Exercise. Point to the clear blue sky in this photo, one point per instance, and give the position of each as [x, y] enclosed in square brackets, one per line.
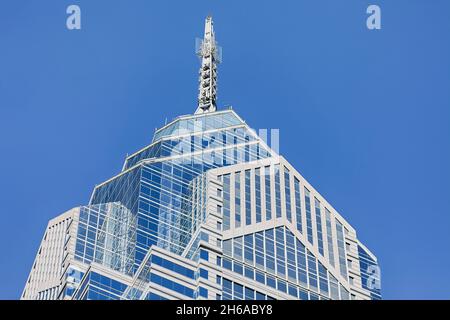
[363, 115]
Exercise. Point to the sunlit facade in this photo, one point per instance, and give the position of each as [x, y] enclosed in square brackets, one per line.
[206, 211]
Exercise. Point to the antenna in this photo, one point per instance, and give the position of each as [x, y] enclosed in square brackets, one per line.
[210, 55]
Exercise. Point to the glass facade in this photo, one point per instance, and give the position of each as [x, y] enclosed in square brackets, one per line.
[147, 233]
[156, 211]
[280, 261]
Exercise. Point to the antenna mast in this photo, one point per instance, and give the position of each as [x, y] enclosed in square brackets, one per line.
[210, 55]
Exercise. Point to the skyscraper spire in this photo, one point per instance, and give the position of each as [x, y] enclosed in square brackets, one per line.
[210, 55]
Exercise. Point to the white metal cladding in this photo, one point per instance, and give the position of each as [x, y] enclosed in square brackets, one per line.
[331, 246]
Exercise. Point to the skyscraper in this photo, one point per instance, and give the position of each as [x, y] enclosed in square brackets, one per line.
[208, 210]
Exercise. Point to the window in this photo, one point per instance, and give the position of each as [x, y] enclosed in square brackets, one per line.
[303, 294]
[226, 246]
[172, 266]
[323, 280]
[308, 216]
[203, 292]
[277, 191]
[344, 293]
[270, 251]
[280, 247]
[329, 237]
[259, 250]
[227, 286]
[238, 291]
[249, 294]
[287, 193]
[290, 255]
[260, 296]
[226, 202]
[301, 261]
[312, 272]
[298, 205]
[281, 285]
[319, 225]
[258, 194]
[341, 249]
[227, 264]
[293, 291]
[204, 254]
[203, 273]
[267, 195]
[237, 267]
[260, 277]
[171, 285]
[237, 248]
[249, 273]
[248, 205]
[334, 288]
[248, 249]
[271, 282]
[237, 199]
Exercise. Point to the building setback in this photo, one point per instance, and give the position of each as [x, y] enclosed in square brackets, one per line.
[206, 211]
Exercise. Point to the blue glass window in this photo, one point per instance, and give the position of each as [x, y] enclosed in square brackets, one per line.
[259, 250]
[249, 294]
[237, 197]
[204, 254]
[319, 226]
[287, 192]
[226, 202]
[238, 291]
[238, 268]
[312, 272]
[298, 205]
[270, 251]
[248, 205]
[258, 194]
[227, 264]
[292, 290]
[248, 248]
[309, 227]
[329, 237]
[271, 282]
[341, 249]
[277, 191]
[260, 277]
[203, 273]
[237, 248]
[280, 247]
[249, 273]
[172, 266]
[203, 292]
[267, 193]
